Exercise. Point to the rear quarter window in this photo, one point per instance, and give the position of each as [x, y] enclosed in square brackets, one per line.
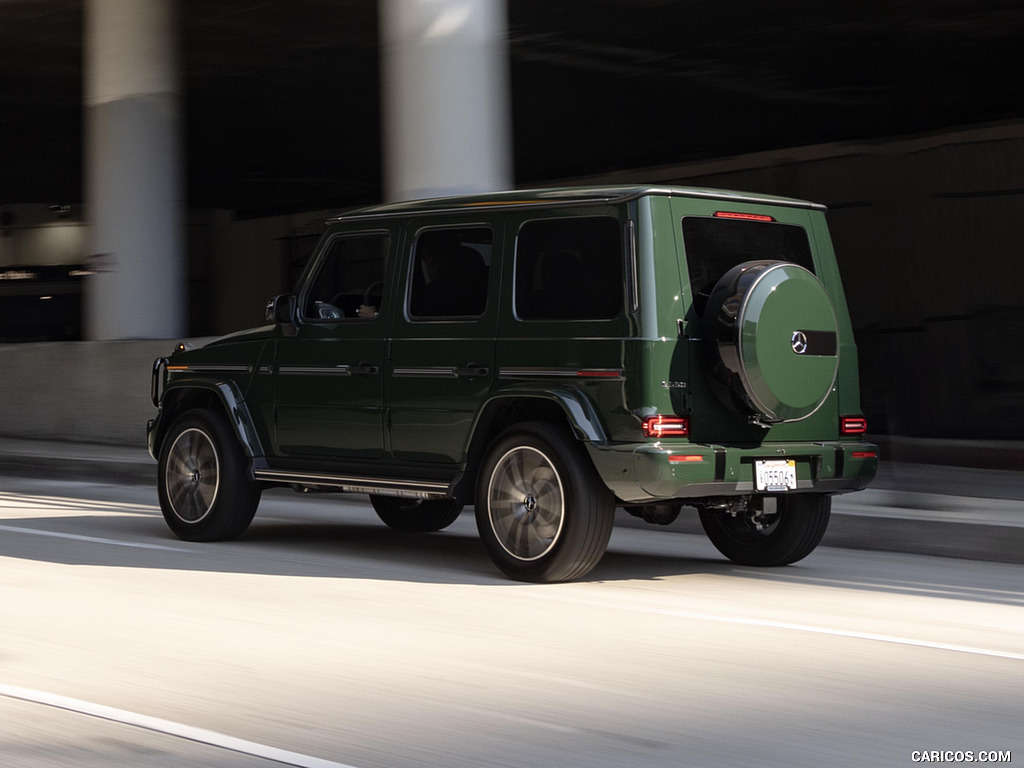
[569, 269]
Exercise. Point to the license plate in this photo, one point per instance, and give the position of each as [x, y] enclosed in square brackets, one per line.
[775, 475]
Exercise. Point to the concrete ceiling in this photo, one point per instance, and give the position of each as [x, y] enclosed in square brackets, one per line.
[282, 104]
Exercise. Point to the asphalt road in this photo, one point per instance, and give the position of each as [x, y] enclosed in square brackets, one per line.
[324, 639]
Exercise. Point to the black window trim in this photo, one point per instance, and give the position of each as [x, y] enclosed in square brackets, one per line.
[632, 280]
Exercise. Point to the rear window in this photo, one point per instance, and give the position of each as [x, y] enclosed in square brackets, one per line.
[569, 269]
[714, 246]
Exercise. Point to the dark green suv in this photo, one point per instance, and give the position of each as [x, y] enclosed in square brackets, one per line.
[546, 356]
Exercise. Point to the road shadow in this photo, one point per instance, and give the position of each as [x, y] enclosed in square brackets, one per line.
[366, 549]
[352, 546]
[340, 537]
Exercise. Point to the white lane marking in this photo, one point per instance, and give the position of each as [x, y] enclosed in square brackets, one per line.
[785, 625]
[200, 735]
[24, 501]
[90, 539]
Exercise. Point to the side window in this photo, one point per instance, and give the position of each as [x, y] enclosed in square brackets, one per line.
[569, 269]
[449, 273]
[349, 282]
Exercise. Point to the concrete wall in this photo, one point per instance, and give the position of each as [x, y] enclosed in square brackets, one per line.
[99, 391]
[78, 391]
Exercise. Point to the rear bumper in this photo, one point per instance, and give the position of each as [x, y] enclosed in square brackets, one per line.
[644, 472]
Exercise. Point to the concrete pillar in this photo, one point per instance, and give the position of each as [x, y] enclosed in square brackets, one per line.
[133, 177]
[445, 97]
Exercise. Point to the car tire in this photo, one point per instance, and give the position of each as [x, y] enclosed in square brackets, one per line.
[797, 528]
[204, 486]
[541, 509]
[416, 515]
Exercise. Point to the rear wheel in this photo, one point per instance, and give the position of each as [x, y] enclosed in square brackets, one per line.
[754, 536]
[541, 509]
[416, 515]
[205, 490]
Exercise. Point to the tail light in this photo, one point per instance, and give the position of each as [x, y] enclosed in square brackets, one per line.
[853, 425]
[666, 426]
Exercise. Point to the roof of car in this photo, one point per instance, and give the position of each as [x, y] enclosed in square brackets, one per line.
[535, 198]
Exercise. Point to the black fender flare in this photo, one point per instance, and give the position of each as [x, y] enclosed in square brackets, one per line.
[572, 404]
[568, 403]
[178, 397]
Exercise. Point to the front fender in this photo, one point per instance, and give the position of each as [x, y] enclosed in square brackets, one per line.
[195, 392]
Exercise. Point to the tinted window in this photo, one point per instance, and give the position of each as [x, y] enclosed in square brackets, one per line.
[449, 273]
[714, 246]
[350, 279]
[569, 269]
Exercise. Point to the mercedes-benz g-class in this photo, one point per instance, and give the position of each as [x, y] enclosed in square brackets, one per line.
[545, 356]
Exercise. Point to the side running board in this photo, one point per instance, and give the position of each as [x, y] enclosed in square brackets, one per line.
[381, 486]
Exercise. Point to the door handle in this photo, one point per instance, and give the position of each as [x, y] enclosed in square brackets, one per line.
[471, 371]
[365, 370]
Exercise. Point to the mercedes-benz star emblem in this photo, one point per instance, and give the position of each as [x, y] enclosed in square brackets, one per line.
[799, 342]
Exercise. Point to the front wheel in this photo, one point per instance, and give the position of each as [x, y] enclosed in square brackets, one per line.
[541, 510]
[416, 515]
[758, 536]
[205, 490]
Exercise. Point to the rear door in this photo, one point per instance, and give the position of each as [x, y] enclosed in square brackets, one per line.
[441, 361]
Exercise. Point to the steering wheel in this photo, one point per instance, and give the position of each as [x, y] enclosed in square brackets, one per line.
[370, 289]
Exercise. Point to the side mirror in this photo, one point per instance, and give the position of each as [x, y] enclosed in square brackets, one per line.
[282, 311]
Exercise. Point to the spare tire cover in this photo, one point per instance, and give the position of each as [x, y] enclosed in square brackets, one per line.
[772, 341]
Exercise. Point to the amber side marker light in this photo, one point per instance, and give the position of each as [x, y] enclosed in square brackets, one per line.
[666, 426]
[853, 425]
[743, 216]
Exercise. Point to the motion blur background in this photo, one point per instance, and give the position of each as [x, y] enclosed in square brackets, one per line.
[905, 118]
